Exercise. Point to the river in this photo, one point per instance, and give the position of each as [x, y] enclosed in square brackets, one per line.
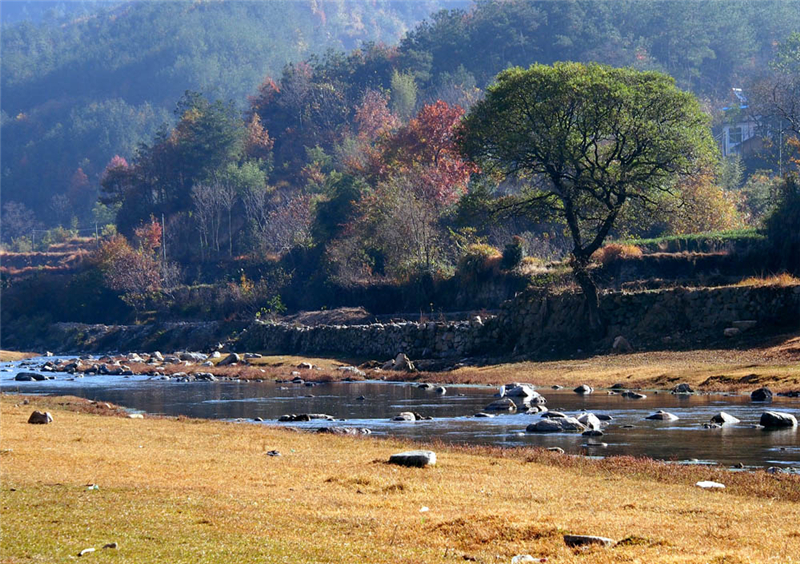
[628, 433]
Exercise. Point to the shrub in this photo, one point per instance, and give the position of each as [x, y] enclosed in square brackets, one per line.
[478, 260]
[21, 245]
[613, 252]
[512, 253]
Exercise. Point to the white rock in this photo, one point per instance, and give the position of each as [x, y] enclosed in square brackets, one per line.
[418, 458]
[709, 485]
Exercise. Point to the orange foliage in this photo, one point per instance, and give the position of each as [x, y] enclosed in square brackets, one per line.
[258, 143]
[149, 235]
[427, 147]
[614, 251]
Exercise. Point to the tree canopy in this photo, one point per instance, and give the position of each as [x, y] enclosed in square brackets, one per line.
[586, 141]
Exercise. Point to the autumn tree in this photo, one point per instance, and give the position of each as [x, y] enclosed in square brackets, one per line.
[135, 274]
[587, 140]
[427, 147]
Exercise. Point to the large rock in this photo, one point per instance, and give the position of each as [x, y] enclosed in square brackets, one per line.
[632, 395]
[583, 389]
[761, 394]
[558, 425]
[517, 390]
[583, 540]
[590, 421]
[193, 356]
[682, 388]
[722, 418]
[773, 419]
[404, 416]
[503, 404]
[403, 363]
[662, 415]
[416, 458]
[232, 358]
[39, 418]
[28, 377]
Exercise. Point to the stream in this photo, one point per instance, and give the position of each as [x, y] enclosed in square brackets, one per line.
[628, 433]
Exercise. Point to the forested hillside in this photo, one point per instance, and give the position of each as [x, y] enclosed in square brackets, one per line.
[240, 157]
[79, 89]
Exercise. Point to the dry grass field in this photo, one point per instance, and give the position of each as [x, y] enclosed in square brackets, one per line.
[181, 490]
[10, 356]
[775, 363]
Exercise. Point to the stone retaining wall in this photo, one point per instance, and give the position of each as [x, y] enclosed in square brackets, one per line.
[530, 324]
[536, 324]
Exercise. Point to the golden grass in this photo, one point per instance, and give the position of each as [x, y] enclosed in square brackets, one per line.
[775, 364]
[614, 251]
[204, 491]
[707, 370]
[783, 280]
[10, 356]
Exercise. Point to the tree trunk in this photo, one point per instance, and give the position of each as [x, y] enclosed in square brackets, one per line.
[580, 268]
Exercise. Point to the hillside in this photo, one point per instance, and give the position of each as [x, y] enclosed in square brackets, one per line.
[79, 89]
[84, 84]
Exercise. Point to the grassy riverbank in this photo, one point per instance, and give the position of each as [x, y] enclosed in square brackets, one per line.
[204, 491]
[775, 363]
[10, 356]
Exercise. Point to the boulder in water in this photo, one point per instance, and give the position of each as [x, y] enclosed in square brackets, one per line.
[722, 418]
[761, 394]
[662, 415]
[503, 404]
[777, 419]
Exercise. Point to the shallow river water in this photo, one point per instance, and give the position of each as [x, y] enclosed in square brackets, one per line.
[684, 440]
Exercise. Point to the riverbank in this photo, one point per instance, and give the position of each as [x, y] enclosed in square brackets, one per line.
[772, 362]
[11, 356]
[204, 491]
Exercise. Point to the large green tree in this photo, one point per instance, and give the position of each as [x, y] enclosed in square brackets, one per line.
[587, 141]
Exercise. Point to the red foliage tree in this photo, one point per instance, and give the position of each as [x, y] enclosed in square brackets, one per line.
[258, 143]
[149, 236]
[427, 147]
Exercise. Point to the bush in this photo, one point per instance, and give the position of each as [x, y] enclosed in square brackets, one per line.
[613, 252]
[782, 227]
[512, 253]
[478, 260]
